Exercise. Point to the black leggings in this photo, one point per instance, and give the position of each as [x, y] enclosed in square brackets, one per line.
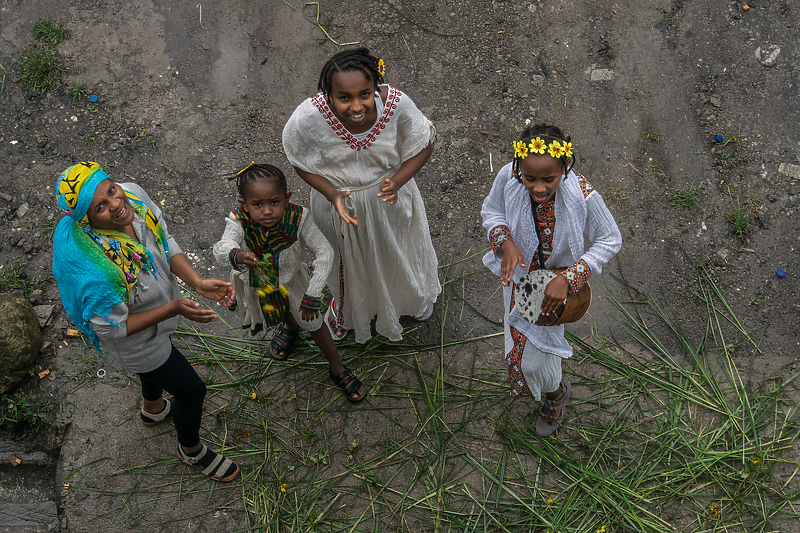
[177, 377]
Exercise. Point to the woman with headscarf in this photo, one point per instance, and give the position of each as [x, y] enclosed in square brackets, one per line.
[115, 265]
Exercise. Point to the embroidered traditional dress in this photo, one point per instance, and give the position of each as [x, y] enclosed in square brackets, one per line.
[284, 248]
[534, 353]
[385, 267]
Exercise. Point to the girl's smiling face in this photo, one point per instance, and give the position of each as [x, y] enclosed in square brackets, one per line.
[353, 98]
[541, 175]
[110, 208]
[266, 202]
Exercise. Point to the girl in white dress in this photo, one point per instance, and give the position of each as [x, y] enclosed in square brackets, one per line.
[359, 143]
[540, 187]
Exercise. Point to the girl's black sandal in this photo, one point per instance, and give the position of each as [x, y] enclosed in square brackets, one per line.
[350, 384]
[282, 341]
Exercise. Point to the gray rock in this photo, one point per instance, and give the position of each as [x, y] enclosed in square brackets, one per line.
[45, 314]
[37, 297]
[206, 158]
[763, 219]
[20, 340]
[788, 202]
[113, 146]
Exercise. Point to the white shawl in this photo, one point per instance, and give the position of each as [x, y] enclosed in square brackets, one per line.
[509, 204]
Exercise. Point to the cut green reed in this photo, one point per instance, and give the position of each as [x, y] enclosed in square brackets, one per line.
[665, 431]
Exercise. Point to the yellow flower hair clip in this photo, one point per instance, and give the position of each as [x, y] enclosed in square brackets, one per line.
[537, 145]
[520, 150]
[381, 68]
[555, 150]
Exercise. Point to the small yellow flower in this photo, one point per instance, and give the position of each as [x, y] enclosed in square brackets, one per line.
[520, 150]
[567, 146]
[714, 509]
[381, 68]
[538, 145]
[268, 308]
[254, 395]
[556, 150]
[284, 291]
[549, 501]
[283, 487]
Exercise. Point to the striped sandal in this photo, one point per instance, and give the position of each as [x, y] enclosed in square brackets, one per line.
[153, 419]
[211, 464]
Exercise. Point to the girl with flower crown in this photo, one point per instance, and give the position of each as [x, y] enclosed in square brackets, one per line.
[539, 193]
[359, 143]
[115, 265]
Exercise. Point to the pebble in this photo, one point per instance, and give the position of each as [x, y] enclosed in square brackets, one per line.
[206, 158]
[788, 202]
[36, 297]
[15, 239]
[203, 245]
[768, 56]
[23, 209]
[113, 146]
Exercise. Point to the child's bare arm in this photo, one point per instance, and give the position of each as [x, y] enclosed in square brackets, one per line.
[332, 194]
[511, 258]
[409, 168]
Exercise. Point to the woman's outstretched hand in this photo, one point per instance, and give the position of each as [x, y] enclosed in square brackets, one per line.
[217, 290]
[191, 310]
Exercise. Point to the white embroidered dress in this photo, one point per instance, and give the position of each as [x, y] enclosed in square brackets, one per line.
[387, 264]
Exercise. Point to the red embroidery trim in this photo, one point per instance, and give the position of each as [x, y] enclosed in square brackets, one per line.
[339, 130]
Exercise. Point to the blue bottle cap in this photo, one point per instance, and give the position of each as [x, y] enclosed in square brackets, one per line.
[718, 138]
[93, 99]
[780, 273]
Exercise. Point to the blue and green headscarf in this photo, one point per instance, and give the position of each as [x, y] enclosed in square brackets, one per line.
[95, 269]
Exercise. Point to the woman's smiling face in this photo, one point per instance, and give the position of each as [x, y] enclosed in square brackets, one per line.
[110, 208]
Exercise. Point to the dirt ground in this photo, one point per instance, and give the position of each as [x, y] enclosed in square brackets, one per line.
[189, 93]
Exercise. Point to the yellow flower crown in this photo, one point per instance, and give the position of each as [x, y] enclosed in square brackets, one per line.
[381, 68]
[556, 148]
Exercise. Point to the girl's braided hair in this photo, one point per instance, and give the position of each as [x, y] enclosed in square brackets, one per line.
[255, 172]
[358, 59]
[551, 132]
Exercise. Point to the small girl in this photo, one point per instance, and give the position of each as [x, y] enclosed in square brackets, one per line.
[115, 265]
[566, 207]
[359, 143]
[263, 242]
